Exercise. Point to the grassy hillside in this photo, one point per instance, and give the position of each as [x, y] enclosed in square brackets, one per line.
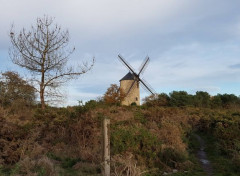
[147, 140]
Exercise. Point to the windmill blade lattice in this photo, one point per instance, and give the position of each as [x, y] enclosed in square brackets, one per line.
[136, 76]
[144, 65]
[126, 64]
[147, 86]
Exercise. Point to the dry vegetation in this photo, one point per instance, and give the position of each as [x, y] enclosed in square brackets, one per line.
[55, 139]
[146, 140]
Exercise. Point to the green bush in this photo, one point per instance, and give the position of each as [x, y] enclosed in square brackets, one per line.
[171, 157]
[139, 116]
[69, 162]
[180, 98]
[137, 140]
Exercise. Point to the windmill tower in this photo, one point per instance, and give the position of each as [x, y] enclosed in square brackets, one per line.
[130, 83]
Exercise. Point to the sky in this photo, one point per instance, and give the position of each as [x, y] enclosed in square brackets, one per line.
[193, 45]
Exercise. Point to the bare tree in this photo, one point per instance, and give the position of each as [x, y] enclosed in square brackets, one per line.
[43, 51]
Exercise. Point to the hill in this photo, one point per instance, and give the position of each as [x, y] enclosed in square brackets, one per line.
[145, 140]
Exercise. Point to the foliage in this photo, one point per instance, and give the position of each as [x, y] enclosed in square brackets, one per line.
[170, 156]
[13, 89]
[229, 100]
[114, 95]
[180, 98]
[221, 132]
[151, 139]
[157, 100]
[136, 140]
[200, 99]
[216, 101]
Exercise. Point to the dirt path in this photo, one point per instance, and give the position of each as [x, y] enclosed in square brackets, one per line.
[202, 157]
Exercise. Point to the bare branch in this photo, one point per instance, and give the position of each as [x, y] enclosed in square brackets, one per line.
[43, 51]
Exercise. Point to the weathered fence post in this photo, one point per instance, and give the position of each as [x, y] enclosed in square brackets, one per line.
[106, 146]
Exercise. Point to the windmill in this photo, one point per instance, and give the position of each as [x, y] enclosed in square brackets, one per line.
[130, 83]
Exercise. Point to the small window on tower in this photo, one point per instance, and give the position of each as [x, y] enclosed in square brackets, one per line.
[136, 98]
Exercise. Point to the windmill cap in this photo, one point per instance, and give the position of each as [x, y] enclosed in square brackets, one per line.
[128, 76]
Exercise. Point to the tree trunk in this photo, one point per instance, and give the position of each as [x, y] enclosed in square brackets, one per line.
[42, 84]
[42, 97]
[106, 146]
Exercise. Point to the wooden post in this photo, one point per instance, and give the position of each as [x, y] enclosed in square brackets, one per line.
[106, 146]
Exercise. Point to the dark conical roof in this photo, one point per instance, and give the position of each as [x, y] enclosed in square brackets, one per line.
[128, 76]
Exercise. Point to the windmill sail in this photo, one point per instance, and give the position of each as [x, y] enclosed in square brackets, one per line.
[125, 63]
[130, 82]
[147, 86]
[144, 65]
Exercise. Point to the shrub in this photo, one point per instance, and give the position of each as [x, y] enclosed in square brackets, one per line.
[137, 140]
[202, 99]
[157, 100]
[114, 95]
[172, 157]
[14, 89]
[180, 98]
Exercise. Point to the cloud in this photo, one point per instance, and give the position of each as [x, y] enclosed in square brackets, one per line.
[235, 66]
[192, 46]
[74, 96]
